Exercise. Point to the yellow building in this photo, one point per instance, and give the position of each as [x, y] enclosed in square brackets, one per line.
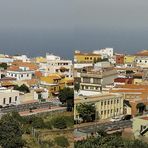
[107, 105]
[55, 82]
[86, 57]
[129, 59]
[41, 60]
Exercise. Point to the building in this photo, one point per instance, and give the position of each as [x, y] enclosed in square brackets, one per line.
[119, 59]
[20, 74]
[135, 97]
[55, 64]
[55, 82]
[105, 52]
[140, 127]
[107, 105]
[22, 58]
[9, 96]
[95, 80]
[80, 57]
[141, 61]
[129, 60]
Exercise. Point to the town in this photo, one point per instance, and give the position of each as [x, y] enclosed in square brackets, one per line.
[36, 93]
[111, 97]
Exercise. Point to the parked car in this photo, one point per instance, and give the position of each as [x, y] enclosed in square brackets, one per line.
[114, 119]
[127, 117]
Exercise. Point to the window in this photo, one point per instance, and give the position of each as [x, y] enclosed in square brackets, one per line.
[105, 112]
[4, 101]
[108, 102]
[15, 98]
[101, 112]
[102, 103]
[10, 99]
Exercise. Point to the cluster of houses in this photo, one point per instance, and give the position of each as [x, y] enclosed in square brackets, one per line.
[43, 76]
[116, 84]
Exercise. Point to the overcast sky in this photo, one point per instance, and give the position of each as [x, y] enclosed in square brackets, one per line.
[65, 25]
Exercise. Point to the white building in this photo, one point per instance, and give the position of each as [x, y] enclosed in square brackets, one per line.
[142, 61]
[8, 96]
[23, 58]
[105, 52]
[56, 65]
[22, 74]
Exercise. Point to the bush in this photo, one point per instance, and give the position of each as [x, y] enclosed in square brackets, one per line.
[48, 125]
[47, 144]
[38, 123]
[59, 122]
[62, 141]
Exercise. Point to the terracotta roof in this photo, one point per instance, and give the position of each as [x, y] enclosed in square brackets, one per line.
[144, 118]
[31, 82]
[31, 66]
[142, 53]
[38, 74]
[124, 80]
[7, 79]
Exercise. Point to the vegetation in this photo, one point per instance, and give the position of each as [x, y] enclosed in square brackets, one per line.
[10, 132]
[59, 122]
[66, 96]
[86, 112]
[17, 131]
[77, 86]
[22, 88]
[62, 141]
[3, 65]
[109, 141]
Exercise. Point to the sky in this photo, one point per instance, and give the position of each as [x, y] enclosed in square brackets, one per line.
[34, 27]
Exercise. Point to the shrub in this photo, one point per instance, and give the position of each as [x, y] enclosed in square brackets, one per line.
[62, 141]
[59, 122]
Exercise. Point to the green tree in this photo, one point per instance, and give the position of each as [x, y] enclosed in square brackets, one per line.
[66, 95]
[22, 88]
[77, 86]
[62, 141]
[3, 65]
[86, 111]
[10, 132]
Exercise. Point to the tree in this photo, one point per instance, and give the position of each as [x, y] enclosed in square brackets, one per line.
[3, 65]
[140, 107]
[10, 132]
[86, 111]
[77, 86]
[66, 95]
[22, 88]
[62, 141]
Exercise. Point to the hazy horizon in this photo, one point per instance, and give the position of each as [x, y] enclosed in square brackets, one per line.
[34, 27]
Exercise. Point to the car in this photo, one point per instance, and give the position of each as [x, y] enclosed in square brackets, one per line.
[127, 117]
[114, 119]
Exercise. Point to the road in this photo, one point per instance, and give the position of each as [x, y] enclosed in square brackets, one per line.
[109, 126]
[27, 106]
